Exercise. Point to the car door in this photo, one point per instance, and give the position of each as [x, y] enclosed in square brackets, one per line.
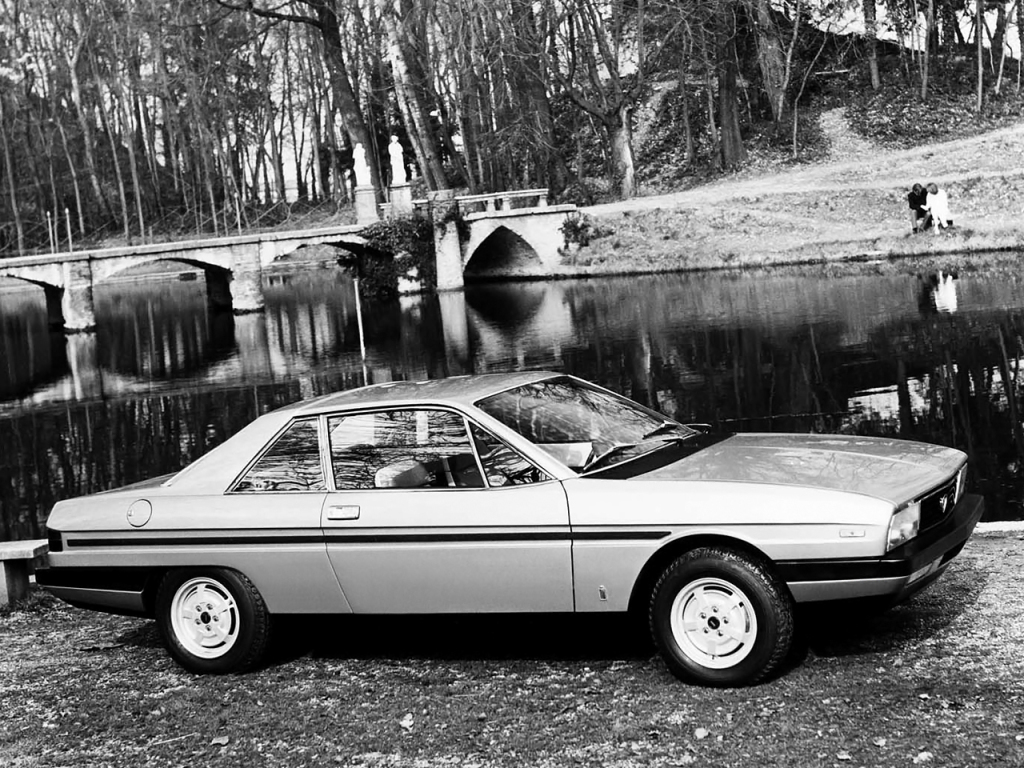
[423, 518]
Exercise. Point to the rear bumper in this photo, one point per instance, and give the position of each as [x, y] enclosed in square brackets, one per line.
[114, 590]
[896, 576]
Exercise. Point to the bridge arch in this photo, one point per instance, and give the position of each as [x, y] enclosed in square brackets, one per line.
[218, 276]
[510, 242]
[501, 251]
[53, 293]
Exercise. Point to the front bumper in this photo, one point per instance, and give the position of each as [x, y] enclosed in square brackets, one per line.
[897, 575]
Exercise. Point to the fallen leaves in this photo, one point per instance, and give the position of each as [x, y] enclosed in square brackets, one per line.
[626, 710]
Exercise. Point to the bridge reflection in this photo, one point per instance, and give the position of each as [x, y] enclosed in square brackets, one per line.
[165, 339]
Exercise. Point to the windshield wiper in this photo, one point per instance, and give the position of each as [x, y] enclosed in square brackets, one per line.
[617, 448]
[657, 433]
[665, 426]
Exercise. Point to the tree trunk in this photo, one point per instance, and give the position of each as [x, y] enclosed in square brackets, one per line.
[417, 127]
[33, 156]
[72, 167]
[105, 119]
[272, 139]
[770, 60]
[620, 134]
[979, 25]
[412, 62]
[871, 33]
[19, 229]
[341, 85]
[929, 23]
[171, 129]
[88, 140]
[1020, 40]
[733, 152]
[465, 79]
[131, 142]
[528, 72]
[999, 35]
[951, 37]
[684, 97]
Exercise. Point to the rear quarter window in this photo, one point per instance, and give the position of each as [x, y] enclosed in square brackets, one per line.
[291, 464]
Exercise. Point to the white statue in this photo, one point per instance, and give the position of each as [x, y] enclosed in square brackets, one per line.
[397, 162]
[359, 167]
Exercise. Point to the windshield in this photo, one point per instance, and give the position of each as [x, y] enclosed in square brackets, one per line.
[583, 427]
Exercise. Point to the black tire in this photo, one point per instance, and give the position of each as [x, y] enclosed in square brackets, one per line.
[721, 618]
[213, 620]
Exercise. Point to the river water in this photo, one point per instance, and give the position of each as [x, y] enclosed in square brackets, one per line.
[926, 357]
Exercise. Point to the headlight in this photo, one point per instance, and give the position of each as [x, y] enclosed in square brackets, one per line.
[961, 482]
[904, 526]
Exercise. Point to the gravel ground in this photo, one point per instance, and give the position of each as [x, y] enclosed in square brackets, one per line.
[938, 681]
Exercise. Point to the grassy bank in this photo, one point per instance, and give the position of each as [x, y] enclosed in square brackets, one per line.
[937, 681]
[831, 211]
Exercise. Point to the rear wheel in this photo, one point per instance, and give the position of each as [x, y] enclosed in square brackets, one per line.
[212, 620]
[721, 618]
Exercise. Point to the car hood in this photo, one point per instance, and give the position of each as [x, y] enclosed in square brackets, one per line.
[893, 470]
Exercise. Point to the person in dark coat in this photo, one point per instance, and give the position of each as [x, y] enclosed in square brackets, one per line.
[920, 218]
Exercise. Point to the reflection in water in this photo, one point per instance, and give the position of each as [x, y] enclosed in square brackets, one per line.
[164, 379]
[938, 293]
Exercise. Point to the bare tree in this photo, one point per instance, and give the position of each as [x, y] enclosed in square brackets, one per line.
[592, 74]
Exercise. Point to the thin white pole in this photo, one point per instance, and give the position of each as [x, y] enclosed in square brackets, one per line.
[67, 218]
[359, 321]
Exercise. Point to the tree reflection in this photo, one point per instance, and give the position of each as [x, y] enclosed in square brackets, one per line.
[167, 380]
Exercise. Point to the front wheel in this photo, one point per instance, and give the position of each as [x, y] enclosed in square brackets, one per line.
[212, 620]
[721, 618]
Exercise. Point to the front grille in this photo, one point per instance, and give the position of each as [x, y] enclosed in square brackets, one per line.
[938, 505]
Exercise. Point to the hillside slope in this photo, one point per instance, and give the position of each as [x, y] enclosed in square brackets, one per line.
[852, 204]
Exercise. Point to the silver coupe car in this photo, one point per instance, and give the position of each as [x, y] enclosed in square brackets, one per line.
[505, 493]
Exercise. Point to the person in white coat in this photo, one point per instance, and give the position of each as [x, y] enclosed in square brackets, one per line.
[937, 204]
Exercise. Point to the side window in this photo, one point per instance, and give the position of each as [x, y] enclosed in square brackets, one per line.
[502, 465]
[402, 449]
[291, 464]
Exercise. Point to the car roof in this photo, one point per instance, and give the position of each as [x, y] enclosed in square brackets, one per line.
[455, 390]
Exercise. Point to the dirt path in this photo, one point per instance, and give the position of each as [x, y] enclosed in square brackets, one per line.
[996, 154]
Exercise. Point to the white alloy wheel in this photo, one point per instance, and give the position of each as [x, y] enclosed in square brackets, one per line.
[205, 618]
[721, 617]
[714, 623]
[213, 620]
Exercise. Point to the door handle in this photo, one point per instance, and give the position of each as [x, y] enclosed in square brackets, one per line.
[343, 512]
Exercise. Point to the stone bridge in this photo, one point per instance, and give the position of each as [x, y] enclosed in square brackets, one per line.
[509, 233]
[233, 267]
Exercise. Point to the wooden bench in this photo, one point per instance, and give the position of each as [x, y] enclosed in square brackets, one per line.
[15, 566]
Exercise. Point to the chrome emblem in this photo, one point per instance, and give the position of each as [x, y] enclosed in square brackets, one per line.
[944, 502]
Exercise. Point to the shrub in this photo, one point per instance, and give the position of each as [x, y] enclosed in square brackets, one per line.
[393, 248]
